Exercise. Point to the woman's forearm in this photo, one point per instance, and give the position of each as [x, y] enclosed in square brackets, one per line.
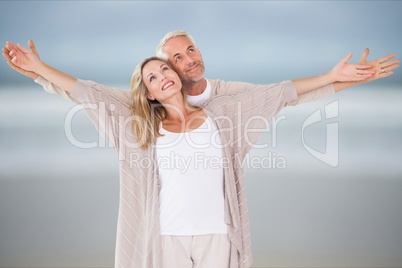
[56, 77]
[304, 85]
[29, 61]
[351, 74]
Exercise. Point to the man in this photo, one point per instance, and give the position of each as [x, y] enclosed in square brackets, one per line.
[178, 47]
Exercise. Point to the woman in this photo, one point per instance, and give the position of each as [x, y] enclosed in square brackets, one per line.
[193, 215]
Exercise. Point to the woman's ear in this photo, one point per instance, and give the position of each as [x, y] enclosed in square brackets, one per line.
[150, 97]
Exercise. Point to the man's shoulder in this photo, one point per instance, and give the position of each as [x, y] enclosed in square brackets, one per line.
[220, 87]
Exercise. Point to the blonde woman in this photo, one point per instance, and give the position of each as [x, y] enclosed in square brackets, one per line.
[171, 216]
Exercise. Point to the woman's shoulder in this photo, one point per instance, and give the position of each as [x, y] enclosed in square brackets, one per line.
[99, 92]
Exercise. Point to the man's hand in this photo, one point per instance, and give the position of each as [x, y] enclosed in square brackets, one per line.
[383, 67]
[6, 54]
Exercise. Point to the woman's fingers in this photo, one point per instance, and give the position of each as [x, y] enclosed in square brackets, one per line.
[348, 57]
[363, 67]
[33, 48]
[22, 49]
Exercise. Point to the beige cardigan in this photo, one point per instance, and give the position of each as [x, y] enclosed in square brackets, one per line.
[138, 242]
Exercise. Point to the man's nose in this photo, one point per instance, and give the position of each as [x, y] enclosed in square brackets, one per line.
[188, 59]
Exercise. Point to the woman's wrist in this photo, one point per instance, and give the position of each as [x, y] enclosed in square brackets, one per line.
[331, 77]
[41, 68]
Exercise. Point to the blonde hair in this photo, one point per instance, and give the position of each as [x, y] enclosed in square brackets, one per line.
[159, 49]
[149, 113]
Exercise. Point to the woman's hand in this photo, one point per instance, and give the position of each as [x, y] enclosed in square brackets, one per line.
[345, 72]
[25, 61]
[6, 54]
[23, 58]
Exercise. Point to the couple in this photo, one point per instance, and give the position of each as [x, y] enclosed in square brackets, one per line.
[198, 218]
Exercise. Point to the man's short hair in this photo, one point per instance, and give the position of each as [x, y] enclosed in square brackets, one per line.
[159, 49]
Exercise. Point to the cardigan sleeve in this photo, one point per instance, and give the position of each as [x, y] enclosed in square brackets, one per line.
[314, 95]
[220, 87]
[249, 113]
[107, 108]
[124, 96]
[52, 88]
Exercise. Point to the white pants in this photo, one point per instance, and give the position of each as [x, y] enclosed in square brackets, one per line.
[198, 251]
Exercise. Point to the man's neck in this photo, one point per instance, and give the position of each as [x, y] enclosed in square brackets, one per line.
[196, 88]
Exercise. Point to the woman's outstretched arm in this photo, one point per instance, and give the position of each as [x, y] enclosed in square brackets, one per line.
[28, 61]
[6, 55]
[342, 72]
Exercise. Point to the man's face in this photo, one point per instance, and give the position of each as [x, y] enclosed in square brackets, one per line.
[185, 58]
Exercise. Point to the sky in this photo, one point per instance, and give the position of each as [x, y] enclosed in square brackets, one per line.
[252, 41]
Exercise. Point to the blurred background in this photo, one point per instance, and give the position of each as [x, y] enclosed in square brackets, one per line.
[59, 203]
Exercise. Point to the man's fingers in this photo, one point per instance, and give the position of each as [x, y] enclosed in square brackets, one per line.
[365, 54]
[390, 63]
[386, 58]
[389, 68]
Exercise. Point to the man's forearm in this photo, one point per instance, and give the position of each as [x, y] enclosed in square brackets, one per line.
[304, 85]
[338, 86]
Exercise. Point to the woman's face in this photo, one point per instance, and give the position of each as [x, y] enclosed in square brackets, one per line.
[161, 81]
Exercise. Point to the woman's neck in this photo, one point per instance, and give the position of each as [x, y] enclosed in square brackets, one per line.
[175, 108]
[181, 117]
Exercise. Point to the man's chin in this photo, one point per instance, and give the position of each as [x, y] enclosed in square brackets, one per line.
[192, 80]
[198, 79]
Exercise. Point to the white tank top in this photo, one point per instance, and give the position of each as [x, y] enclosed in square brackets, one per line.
[191, 199]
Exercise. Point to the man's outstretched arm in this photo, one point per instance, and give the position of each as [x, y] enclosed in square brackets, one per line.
[342, 72]
[383, 67]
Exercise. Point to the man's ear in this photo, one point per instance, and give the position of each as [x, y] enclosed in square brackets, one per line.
[150, 97]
